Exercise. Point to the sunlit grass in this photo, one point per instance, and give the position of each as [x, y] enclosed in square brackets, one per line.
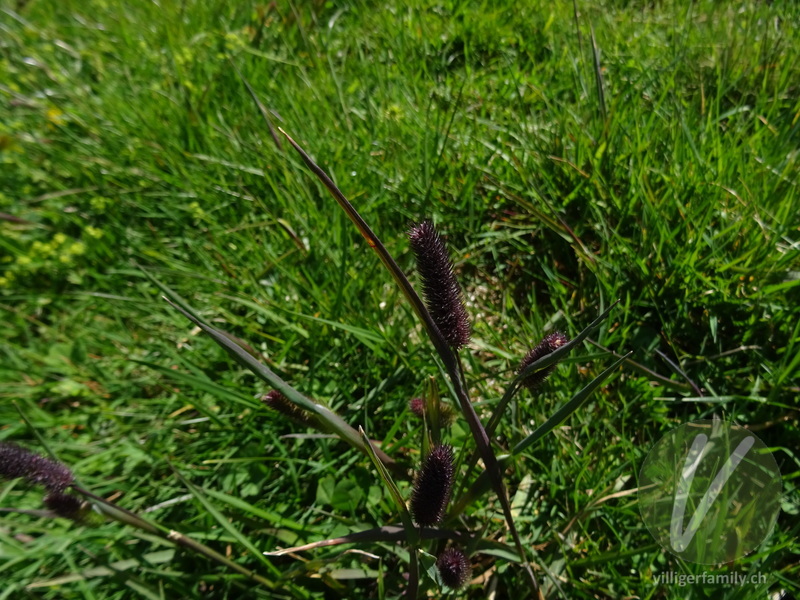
[127, 138]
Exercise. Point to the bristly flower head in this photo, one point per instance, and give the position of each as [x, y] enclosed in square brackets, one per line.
[548, 345]
[18, 462]
[432, 487]
[446, 414]
[454, 568]
[439, 285]
[280, 403]
[65, 505]
[417, 406]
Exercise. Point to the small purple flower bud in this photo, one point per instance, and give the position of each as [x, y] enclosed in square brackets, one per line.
[432, 486]
[439, 285]
[446, 414]
[454, 568]
[417, 406]
[18, 462]
[548, 345]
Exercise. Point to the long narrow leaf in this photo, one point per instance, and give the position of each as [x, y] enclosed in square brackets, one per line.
[204, 384]
[481, 485]
[405, 517]
[565, 411]
[225, 523]
[543, 363]
[412, 591]
[383, 254]
[261, 108]
[255, 512]
[153, 558]
[598, 77]
[639, 368]
[387, 533]
[329, 418]
[130, 518]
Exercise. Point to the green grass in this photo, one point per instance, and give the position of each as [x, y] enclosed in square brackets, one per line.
[128, 139]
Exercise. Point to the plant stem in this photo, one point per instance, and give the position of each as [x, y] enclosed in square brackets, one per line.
[130, 518]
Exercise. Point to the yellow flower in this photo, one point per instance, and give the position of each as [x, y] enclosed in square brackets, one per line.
[197, 212]
[99, 203]
[55, 116]
[94, 232]
[77, 248]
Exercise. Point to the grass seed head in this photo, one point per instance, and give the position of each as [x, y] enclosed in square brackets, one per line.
[550, 343]
[280, 403]
[432, 487]
[439, 284]
[18, 462]
[454, 568]
[65, 505]
[417, 406]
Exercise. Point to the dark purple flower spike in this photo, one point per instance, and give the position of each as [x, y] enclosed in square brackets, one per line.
[65, 505]
[38, 470]
[439, 285]
[548, 345]
[280, 403]
[454, 568]
[432, 487]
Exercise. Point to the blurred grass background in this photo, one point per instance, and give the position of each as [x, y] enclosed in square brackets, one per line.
[572, 155]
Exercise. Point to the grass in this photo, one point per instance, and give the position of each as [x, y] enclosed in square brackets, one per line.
[128, 140]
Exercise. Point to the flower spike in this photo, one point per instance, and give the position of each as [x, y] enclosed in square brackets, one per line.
[432, 487]
[454, 568]
[548, 345]
[439, 285]
[38, 470]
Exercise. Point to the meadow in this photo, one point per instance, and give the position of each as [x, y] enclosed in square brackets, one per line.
[572, 154]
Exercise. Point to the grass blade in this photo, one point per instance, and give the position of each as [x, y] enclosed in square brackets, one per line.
[329, 418]
[255, 512]
[153, 558]
[639, 368]
[372, 240]
[130, 518]
[387, 533]
[225, 523]
[405, 516]
[565, 411]
[261, 108]
[543, 363]
[598, 78]
[481, 485]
